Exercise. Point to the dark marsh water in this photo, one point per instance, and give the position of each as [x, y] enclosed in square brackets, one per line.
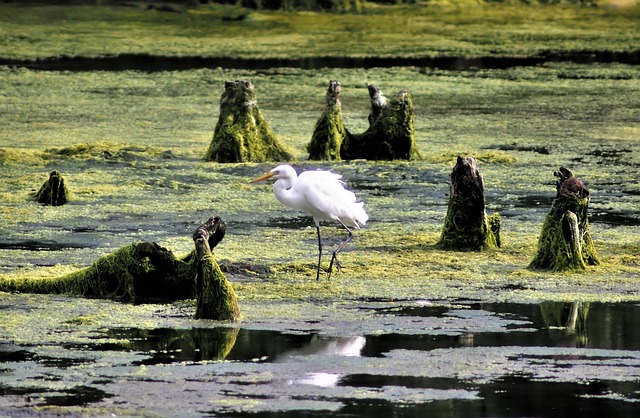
[487, 359]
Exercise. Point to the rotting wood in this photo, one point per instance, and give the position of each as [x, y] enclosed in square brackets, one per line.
[54, 191]
[242, 134]
[565, 241]
[329, 132]
[146, 272]
[390, 135]
[467, 226]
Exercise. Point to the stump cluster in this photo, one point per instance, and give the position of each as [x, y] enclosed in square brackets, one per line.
[390, 135]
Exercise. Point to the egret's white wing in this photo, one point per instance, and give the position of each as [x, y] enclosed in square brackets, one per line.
[328, 199]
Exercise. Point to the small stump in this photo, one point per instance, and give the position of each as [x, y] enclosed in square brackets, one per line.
[467, 226]
[329, 132]
[390, 134]
[242, 134]
[54, 191]
[565, 240]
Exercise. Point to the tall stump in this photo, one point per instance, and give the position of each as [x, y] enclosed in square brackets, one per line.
[242, 134]
[565, 240]
[467, 226]
[329, 132]
[390, 135]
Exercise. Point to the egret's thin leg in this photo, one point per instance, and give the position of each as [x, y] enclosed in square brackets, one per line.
[334, 258]
[319, 252]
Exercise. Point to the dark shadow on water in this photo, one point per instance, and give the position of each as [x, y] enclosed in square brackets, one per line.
[144, 62]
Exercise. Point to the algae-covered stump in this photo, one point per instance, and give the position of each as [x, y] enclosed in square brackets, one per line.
[329, 132]
[565, 240]
[145, 271]
[467, 226]
[242, 134]
[216, 297]
[390, 135]
[54, 191]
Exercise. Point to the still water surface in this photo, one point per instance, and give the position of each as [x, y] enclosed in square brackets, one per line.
[486, 359]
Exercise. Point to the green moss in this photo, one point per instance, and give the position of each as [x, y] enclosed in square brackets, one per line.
[390, 135]
[565, 240]
[329, 132]
[54, 191]
[242, 134]
[467, 226]
[217, 298]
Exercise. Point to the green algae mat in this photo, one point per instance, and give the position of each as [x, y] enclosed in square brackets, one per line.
[131, 147]
[405, 327]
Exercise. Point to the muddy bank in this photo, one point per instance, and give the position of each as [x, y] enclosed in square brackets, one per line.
[146, 62]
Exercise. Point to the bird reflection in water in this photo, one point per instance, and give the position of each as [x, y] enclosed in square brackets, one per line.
[348, 347]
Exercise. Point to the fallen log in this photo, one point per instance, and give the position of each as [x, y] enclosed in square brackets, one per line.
[54, 191]
[390, 135]
[565, 241]
[467, 226]
[242, 134]
[329, 132]
[145, 271]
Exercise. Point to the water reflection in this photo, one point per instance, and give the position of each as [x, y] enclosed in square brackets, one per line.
[570, 317]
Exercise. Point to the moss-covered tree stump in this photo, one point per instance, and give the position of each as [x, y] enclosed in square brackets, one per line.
[565, 240]
[329, 132]
[216, 297]
[467, 226]
[242, 134]
[145, 271]
[390, 135]
[54, 191]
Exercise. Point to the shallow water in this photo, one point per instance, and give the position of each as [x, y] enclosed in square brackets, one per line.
[455, 359]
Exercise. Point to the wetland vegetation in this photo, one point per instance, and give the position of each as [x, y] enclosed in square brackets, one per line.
[406, 327]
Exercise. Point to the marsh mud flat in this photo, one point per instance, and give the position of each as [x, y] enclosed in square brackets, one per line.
[381, 357]
[145, 62]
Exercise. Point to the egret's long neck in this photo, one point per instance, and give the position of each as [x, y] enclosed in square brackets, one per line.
[284, 193]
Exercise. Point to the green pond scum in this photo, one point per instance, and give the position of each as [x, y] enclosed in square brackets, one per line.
[138, 175]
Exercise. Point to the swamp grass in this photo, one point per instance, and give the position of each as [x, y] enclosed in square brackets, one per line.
[430, 29]
[131, 147]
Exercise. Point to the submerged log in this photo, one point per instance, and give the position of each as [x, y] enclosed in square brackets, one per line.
[390, 134]
[467, 226]
[242, 134]
[329, 132]
[145, 271]
[54, 191]
[565, 240]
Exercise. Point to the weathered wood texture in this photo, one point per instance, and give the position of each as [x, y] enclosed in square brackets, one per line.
[145, 272]
[390, 135]
[467, 226]
[242, 134]
[54, 191]
[565, 241]
[329, 132]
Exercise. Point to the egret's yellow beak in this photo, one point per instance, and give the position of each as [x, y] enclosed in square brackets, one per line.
[263, 177]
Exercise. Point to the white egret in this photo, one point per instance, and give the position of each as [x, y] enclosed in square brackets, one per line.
[321, 194]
